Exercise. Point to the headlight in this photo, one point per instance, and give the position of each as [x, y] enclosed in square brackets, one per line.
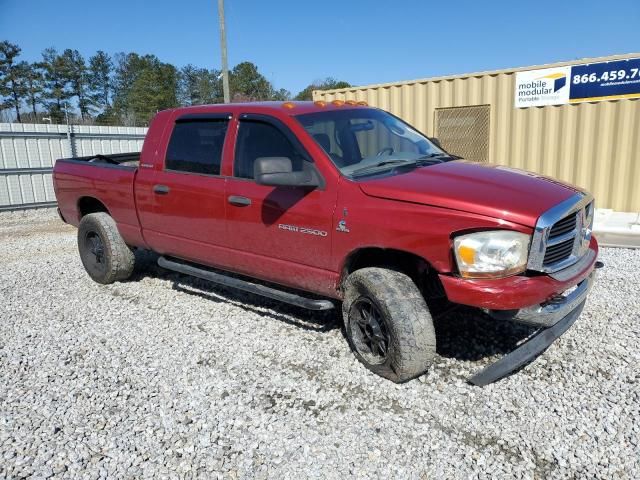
[494, 254]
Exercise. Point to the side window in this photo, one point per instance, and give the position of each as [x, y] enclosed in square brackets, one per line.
[259, 139]
[197, 146]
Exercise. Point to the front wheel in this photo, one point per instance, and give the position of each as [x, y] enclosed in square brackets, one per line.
[388, 324]
[105, 256]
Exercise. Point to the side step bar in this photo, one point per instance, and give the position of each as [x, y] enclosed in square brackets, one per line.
[257, 289]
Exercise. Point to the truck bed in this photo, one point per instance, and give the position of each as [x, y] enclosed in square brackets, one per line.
[107, 179]
[131, 159]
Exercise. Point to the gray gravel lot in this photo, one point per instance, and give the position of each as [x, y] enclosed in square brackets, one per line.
[171, 377]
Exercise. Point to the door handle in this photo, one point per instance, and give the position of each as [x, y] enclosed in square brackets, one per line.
[160, 189]
[239, 201]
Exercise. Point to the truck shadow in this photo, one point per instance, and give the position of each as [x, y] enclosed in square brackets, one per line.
[463, 334]
[470, 335]
[317, 321]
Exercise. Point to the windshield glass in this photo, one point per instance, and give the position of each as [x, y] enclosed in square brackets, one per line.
[367, 140]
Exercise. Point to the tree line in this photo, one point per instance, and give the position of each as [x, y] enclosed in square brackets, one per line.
[123, 89]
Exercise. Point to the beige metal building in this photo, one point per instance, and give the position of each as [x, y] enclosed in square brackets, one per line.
[592, 143]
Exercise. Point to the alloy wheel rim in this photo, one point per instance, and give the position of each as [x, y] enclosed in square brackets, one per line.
[369, 331]
[95, 248]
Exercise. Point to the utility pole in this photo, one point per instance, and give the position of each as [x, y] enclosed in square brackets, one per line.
[223, 49]
[72, 147]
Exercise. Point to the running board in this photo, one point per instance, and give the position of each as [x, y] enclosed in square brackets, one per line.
[257, 289]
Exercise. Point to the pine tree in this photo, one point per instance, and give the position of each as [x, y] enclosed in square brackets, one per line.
[198, 86]
[56, 87]
[328, 83]
[100, 79]
[247, 83]
[34, 84]
[12, 89]
[143, 86]
[281, 95]
[77, 77]
[127, 88]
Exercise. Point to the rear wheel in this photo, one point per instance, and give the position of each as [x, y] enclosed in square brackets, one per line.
[105, 256]
[388, 324]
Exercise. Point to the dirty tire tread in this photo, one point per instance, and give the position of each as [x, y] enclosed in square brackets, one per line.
[404, 308]
[119, 257]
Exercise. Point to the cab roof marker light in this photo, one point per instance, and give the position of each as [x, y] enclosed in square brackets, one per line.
[320, 103]
[288, 105]
[351, 102]
[337, 103]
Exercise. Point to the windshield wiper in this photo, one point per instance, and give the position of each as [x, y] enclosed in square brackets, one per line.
[440, 155]
[430, 159]
[376, 166]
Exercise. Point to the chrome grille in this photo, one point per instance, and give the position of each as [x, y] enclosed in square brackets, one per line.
[560, 251]
[562, 234]
[566, 225]
[561, 239]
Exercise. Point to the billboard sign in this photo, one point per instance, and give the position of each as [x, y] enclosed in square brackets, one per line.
[578, 83]
[536, 88]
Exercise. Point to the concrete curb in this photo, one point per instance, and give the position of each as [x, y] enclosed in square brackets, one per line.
[617, 229]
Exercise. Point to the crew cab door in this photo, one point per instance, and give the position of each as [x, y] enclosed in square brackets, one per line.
[282, 234]
[181, 201]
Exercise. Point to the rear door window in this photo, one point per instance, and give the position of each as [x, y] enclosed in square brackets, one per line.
[196, 146]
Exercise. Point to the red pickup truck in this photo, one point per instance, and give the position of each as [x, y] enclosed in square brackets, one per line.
[320, 204]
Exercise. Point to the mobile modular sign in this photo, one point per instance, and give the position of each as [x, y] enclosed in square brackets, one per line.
[589, 82]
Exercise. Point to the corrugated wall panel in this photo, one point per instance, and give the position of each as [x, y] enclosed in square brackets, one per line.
[4, 191]
[37, 146]
[594, 145]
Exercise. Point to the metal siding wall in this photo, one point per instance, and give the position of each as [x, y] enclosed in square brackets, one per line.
[37, 146]
[593, 145]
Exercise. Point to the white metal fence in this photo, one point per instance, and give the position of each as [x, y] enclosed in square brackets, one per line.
[28, 152]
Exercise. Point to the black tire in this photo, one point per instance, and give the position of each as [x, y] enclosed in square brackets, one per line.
[404, 321]
[105, 256]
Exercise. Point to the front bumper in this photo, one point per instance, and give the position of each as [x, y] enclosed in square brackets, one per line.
[559, 318]
[519, 291]
[549, 313]
[540, 301]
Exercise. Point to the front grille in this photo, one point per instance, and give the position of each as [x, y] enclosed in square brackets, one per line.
[559, 247]
[554, 245]
[563, 226]
[559, 252]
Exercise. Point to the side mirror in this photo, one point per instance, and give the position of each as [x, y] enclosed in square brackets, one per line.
[278, 172]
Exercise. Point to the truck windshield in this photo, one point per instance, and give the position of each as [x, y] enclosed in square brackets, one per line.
[366, 141]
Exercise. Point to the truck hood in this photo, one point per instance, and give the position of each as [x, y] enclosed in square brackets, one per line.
[491, 190]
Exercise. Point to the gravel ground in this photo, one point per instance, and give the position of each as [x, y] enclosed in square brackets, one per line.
[165, 376]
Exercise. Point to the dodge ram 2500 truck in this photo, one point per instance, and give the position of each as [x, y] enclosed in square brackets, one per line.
[320, 204]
